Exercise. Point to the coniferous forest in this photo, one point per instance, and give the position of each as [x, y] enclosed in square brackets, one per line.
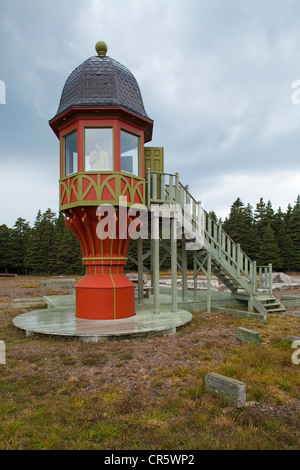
[49, 248]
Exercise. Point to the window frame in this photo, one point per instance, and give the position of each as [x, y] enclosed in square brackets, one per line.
[139, 175]
[113, 148]
[63, 150]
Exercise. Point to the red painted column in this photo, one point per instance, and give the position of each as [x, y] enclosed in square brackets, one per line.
[105, 293]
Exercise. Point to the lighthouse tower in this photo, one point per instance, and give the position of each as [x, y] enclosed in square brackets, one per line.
[102, 127]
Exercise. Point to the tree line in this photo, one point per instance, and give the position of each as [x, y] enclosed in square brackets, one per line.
[47, 248]
[265, 235]
[50, 248]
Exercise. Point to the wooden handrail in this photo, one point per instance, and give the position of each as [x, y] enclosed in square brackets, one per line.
[225, 248]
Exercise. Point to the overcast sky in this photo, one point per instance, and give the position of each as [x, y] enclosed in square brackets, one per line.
[215, 75]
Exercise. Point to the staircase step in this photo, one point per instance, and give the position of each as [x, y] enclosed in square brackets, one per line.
[270, 305]
[274, 308]
[264, 297]
[193, 246]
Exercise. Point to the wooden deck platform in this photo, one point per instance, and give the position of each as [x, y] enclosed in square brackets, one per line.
[60, 320]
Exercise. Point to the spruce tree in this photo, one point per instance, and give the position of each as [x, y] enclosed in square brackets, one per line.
[236, 226]
[19, 240]
[269, 251]
[59, 230]
[263, 216]
[32, 260]
[5, 248]
[38, 256]
[294, 231]
[294, 228]
[290, 260]
[69, 255]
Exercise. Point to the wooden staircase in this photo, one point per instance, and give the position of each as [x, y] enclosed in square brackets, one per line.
[247, 281]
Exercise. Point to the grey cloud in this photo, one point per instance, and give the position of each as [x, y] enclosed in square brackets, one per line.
[215, 76]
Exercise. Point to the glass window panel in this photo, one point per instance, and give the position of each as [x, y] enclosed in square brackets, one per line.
[129, 153]
[71, 156]
[99, 149]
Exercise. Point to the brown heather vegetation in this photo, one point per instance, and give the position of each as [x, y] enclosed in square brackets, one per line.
[146, 393]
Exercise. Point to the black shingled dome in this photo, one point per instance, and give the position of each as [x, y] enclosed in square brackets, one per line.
[101, 81]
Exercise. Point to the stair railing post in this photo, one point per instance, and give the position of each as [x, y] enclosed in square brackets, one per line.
[149, 188]
[162, 187]
[270, 279]
[171, 188]
[194, 212]
[266, 275]
[238, 259]
[199, 217]
[187, 197]
[220, 240]
[154, 184]
[260, 277]
[177, 188]
[254, 277]
[195, 277]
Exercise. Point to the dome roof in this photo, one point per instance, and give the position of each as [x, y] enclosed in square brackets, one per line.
[101, 81]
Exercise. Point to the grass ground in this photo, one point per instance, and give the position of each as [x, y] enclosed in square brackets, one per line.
[146, 393]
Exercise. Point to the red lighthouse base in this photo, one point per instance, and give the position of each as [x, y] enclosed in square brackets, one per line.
[105, 293]
[105, 297]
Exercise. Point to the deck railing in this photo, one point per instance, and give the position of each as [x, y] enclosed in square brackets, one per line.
[165, 188]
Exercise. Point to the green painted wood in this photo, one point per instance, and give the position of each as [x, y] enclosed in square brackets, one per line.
[248, 336]
[208, 275]
[173, 241]
[184, 273]
[228, 262]
[140, 270]
[230, 390]
[155, 266]
[154, 158]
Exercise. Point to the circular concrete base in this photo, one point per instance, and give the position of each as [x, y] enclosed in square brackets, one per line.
[63, 322]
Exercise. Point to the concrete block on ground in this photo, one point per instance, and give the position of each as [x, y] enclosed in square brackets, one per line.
[2, 353]
[291, 338]
[59, 286]
[231, 390]
[249, 336]
[57, 281]
[239, 313]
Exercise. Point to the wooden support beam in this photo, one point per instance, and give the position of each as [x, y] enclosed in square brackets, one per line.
[184, 273]
[238, 256]
[208, 275]
[195, 277]
[140, 270]
[155, 265]
[254, 278]
[174, 264]
[270, 279]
